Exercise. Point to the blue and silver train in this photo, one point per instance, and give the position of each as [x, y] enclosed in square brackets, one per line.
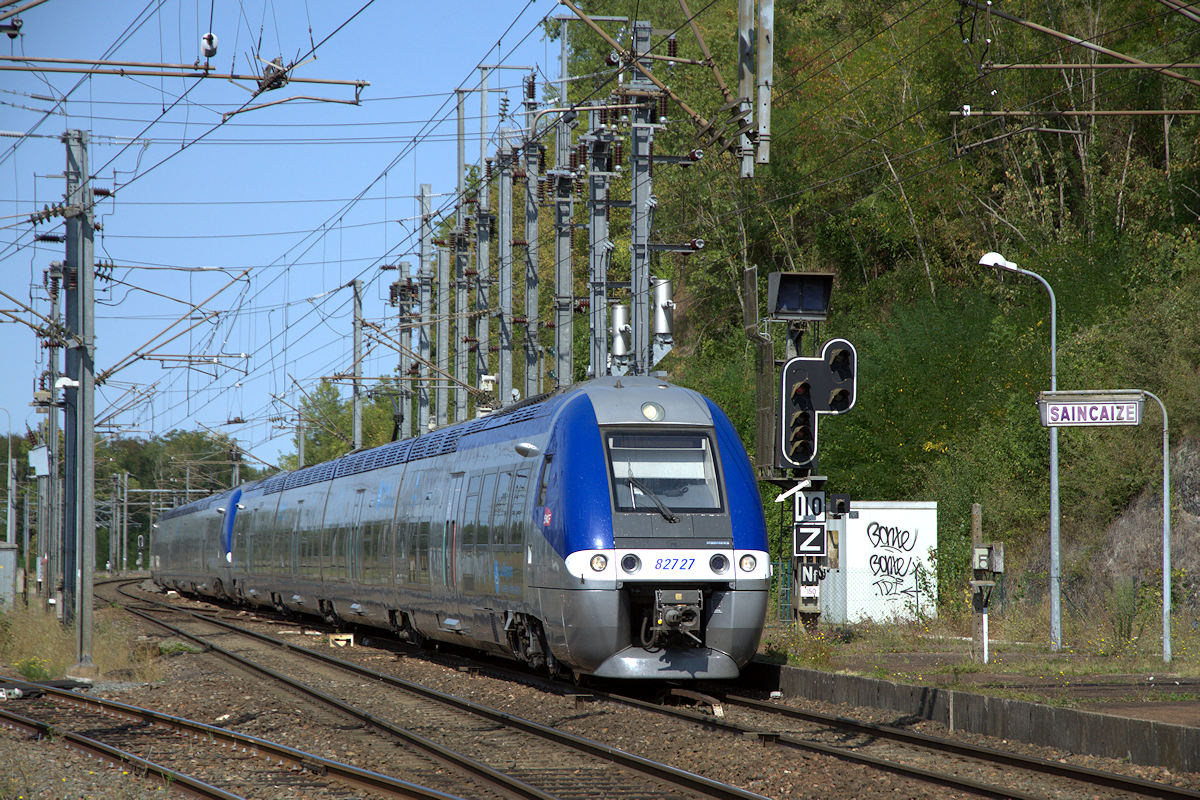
[612, 529]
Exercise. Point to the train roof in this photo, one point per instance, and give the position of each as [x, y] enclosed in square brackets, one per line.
[612, 405]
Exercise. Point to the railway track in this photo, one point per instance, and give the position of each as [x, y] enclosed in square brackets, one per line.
[901, 751]
[122, 738]
[123, 733]
[517, 757]
[975, 771]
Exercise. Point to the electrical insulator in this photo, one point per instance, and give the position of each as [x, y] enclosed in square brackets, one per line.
[503, 106]
[672, 47]
[541, 158]
[573, 161]
[662, 108]
[603, 117]
[488, 170]
[618, 153]
[583, 152]
[530, 88]
[541, 192]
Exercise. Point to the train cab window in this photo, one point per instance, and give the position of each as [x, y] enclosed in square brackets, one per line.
[544, 480]
[674, 469]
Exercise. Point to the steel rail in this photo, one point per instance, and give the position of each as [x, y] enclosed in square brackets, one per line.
[1109, 780]
[281, 752]
[176, 780]
[1075, 773]
[660, 771]
[506, 784]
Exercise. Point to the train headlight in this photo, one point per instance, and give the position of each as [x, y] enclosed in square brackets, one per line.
[630, 562]
[599, 562]
[747, 563]
[718, 563]
[653, 412]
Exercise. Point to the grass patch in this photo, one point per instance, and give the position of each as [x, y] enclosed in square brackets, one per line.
[1121, 636]
[39, 647]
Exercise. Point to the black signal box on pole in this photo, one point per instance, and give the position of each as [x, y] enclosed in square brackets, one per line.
[809, 388]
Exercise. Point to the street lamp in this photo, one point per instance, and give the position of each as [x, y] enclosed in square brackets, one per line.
[997, 261]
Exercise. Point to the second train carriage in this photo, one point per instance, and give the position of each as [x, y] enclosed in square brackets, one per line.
[613, 529]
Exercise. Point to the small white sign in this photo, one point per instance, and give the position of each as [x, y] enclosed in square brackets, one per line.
[808, 539]
[39, 461]
[810, 507]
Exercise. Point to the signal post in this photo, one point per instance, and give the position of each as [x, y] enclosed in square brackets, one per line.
[787, 440]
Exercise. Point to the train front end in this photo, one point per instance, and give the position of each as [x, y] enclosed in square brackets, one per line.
[657, 515]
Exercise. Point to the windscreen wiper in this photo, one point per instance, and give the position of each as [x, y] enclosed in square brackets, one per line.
[668, 515]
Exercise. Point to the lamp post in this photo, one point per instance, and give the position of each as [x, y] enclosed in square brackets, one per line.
[997, 261]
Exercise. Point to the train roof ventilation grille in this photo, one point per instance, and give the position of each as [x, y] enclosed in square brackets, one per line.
[275, 483]
[387, 455]
[313, 474]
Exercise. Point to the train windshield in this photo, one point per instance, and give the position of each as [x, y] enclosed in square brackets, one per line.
[653, 470]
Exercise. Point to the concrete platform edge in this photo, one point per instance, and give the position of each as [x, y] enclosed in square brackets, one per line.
[1176, 747]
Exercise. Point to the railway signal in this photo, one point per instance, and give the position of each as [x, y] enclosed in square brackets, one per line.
[809, 388]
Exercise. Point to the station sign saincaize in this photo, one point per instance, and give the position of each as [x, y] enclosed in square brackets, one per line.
[1096, 408]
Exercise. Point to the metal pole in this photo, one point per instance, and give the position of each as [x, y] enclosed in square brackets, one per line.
[356, 411]
[745, 82]
[425, 277]
[25, 548]
[9, 505]
[1166, 532]
[1055, 560]
[999, 262]
[405, 319]
[483, 232]
[564, 356]
[504, 248]
[461, 321]
[641, 211]
[44, 537]
[532, 382]
[124, 521]
[443, 335]
[599, 246]
[113, 527]
[80, 255]
[300, 443]
[766, 77]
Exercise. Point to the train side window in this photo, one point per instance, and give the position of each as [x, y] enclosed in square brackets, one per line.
[487, 497]
[500, 508]
[517, 516]
[471, 513]
[544, 480]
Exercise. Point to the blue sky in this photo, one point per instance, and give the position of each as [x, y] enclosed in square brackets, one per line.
[306, 196]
